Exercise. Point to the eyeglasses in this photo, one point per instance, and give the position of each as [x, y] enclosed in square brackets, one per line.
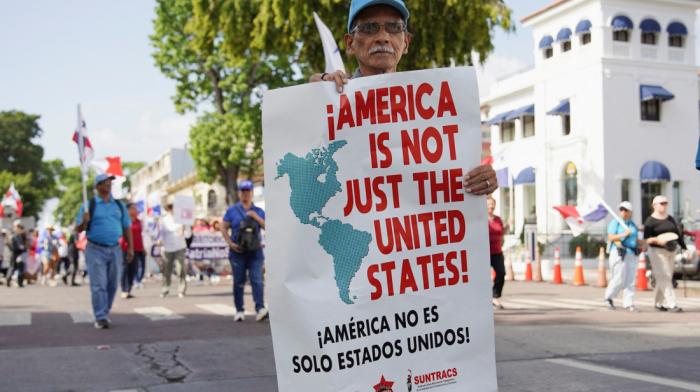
[373, 28]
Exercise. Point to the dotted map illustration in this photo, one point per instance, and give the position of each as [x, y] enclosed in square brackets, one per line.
[313, 182]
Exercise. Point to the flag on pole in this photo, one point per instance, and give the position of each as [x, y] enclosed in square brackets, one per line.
[501, 162]
[154, 204]
[113, 167]
[579, 218]
[85, 151]
[334, 62]
[12, 199]
[140, 200]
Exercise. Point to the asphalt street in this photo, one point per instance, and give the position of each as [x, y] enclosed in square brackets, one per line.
[548, 338]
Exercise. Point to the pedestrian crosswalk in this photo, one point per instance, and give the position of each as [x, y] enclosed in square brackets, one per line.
[162, 313]
[583, 304]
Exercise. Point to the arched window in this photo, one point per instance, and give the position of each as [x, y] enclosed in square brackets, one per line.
[570, 184]
[211, 199]
[650, 30]
[621, 25]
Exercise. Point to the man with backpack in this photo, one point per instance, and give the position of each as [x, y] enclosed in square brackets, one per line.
[246, 221]
[105, 220]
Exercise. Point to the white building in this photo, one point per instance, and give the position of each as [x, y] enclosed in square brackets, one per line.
[610, 107]
[173, 173]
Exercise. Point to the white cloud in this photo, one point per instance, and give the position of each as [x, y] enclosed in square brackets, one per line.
[146, 141]
[495, 67]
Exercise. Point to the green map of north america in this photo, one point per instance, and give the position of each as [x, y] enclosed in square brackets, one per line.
[313, 182]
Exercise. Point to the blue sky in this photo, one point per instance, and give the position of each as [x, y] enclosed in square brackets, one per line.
[58, 54]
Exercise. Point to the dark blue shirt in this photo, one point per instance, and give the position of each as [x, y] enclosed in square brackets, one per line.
[235, 215]
[107, 223]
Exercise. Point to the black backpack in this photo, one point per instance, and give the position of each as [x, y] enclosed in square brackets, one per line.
[248, 237]
[92, 203]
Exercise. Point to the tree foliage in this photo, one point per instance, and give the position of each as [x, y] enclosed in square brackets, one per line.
[21, 161]
[226, 75]
[225, 53]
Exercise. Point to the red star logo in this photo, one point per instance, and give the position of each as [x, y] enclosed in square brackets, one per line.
[383, 385]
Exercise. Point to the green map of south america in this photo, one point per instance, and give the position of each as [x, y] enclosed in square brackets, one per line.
[313, 182]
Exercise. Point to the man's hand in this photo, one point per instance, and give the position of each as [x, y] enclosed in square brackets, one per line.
[86, 216]
[129, 255]
[626, 233]
[338, 77]
[475, 182]
[234, 247]
[253, 214]
[159, 242]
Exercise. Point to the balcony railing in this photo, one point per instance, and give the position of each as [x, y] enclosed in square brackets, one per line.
[649, 53]
[676, 55]
[621, 50]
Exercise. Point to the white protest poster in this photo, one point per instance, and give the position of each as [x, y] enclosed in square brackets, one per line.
[183, 210]
[378, 272]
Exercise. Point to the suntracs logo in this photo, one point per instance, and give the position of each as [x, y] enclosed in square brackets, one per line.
[384, 386]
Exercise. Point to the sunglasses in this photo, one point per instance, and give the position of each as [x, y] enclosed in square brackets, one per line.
[373, 28]
[623, 210]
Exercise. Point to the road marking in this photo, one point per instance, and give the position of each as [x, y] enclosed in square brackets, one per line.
[596, 304]
[513, 305]
[550, 304]
[689, 386]
[15, 318]
[82, 317]
[223, 309]
[157, 313]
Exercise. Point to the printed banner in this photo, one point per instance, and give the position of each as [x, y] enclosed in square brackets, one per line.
[204, 246]
[378, 271]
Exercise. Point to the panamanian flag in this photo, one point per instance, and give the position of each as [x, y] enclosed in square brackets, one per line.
[579, 218]
[13, 199]
[87, 152]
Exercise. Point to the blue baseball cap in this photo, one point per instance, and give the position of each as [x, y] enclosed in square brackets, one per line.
[358, 5]
[246, 184]
[102, 177]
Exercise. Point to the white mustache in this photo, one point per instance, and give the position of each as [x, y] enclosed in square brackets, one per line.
[382, 48]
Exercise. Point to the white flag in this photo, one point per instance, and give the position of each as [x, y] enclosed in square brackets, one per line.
[330, 49]
[113, 167]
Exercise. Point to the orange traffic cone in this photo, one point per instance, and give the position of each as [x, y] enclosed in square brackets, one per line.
[578, 269]
[642, 273]
[528, 265]
[602, 275]
[538, 266]
[509, 267]
[557, 267]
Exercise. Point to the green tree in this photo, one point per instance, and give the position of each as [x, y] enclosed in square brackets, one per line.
[21, 161]
[227, 76]
[443, 32]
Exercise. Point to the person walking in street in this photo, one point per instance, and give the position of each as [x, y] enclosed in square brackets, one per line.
[201, 224]
[496, 232]
[18, 244]
[378, 36]
[105, 220]
[49, 256]
[662, 253]
[174, 251]
[73, 256]
[623, 259]
[131, 267]
[245, 253]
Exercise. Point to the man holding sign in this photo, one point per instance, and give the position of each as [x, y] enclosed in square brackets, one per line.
[377, 37]
[378, 260]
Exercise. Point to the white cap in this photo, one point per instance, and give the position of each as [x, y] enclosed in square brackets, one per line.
[626, 205]
[202, 216]
[660, 199]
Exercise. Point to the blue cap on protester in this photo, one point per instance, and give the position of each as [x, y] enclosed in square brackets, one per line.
[358, 5]
[246, 184]
[102, 177]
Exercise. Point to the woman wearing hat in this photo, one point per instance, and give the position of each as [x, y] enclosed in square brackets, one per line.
[658, 229]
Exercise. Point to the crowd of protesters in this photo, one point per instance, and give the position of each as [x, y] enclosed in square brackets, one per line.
[107, 247]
